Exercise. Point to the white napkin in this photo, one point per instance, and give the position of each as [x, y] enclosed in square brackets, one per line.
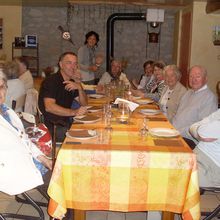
[132, 105]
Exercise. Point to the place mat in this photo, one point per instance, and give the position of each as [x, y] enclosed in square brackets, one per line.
[87, 118]
[79, 133]
[77, 122]
[157, 119]
[95, 108]
[168, 143]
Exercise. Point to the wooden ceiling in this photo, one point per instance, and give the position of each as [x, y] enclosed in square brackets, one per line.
[213, 6]
[160, 3]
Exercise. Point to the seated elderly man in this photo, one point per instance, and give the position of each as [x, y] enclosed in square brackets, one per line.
[57, 93]
[197, 103]
[207, 132]
[114, 74]
[22, 163]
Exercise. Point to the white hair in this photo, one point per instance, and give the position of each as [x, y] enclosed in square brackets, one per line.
[3, 76]
[175, 70]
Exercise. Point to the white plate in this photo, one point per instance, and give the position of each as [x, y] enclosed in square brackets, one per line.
[96, 96]
[94, 108]
[210, 130]
[164, 132]
[91, 134]
[144, 101]
[88, 121]
[150, 111]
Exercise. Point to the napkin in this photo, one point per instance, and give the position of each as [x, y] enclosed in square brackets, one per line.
[132, 105]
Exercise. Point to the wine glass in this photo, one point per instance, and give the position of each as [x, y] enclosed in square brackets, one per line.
[144, 129]
[107, 116]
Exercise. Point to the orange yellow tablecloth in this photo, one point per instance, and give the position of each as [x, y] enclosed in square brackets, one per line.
[123, 171]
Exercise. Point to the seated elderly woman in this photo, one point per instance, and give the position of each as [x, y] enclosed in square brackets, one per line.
[147, 77]
[155, 88]
[172, 92]
[16, 87]
[22, 163]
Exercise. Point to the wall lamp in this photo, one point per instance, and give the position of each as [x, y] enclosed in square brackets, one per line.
[154, 18]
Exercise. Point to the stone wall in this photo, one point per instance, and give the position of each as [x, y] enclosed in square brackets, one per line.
[130, 37]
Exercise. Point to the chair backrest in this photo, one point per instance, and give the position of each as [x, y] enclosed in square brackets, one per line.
[28, 117]
[31, 102]
[18, 104]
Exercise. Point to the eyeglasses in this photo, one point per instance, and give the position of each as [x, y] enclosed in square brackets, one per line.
[3, 87]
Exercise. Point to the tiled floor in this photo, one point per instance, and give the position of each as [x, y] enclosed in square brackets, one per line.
[8, 204]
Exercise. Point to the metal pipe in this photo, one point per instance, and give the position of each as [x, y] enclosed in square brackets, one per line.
[110, 31]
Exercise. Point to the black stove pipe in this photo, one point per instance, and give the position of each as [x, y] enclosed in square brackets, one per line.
[110, 32]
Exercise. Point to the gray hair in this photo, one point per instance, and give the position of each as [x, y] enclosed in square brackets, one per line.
[202, 68]
[3, 77]
[11, 70]
[175, 70]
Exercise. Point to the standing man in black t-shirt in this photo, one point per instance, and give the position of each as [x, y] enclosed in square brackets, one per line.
[57, 93]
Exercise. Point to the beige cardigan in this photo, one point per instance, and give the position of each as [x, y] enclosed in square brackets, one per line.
[174, 99]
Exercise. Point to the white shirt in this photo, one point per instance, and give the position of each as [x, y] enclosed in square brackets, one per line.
[27, 79]
[106, 78]
[18, 172]
[209, 127]
[164, 99]
[15, 90]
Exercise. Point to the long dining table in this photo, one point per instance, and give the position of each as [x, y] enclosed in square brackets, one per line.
[122, 170]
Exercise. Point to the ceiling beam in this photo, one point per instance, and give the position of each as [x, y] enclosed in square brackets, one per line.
[158, 4]
[212, 7]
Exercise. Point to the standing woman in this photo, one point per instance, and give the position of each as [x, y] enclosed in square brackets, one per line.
[88, 63]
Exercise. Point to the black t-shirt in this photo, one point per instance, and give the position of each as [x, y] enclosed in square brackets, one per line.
[53, 87]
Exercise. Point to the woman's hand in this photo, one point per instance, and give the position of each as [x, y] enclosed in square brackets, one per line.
[100, 89]
[137, 92]
[93, 68]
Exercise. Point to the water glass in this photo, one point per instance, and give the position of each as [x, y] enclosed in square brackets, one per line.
[107, 113]
[124, 112]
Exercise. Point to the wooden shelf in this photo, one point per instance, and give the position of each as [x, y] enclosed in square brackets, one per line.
[32, 56]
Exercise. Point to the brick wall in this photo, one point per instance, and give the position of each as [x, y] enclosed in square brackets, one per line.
[130, 37]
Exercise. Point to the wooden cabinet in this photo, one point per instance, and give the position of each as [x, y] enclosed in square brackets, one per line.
[32, 55]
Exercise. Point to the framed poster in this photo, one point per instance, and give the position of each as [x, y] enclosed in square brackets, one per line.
[1, 36]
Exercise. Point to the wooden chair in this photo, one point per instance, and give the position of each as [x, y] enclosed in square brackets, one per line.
[216, 211]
